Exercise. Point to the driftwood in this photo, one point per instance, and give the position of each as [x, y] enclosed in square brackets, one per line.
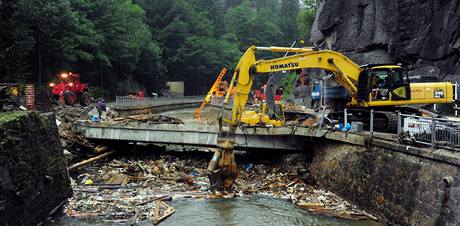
[169, 210]
[88, 161]
[100, 149]
[76, 139]
[151, 200]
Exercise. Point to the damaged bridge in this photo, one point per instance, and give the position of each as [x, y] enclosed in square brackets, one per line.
[276, 138]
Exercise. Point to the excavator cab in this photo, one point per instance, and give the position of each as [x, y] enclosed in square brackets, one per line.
[383, 83]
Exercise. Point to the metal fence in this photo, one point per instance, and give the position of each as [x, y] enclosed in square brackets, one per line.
[130, 101]
[435, 132]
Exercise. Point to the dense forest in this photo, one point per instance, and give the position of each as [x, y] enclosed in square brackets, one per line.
[122, 45]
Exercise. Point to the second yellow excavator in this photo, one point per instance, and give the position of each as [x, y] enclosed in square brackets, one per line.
[380, 87]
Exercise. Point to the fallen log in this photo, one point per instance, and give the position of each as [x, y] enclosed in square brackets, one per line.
[88, 161]
[370, 216]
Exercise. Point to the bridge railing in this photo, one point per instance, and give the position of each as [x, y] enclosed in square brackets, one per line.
[130, 101]
[435, 132]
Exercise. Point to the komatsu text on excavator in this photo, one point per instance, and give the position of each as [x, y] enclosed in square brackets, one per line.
[380, 87]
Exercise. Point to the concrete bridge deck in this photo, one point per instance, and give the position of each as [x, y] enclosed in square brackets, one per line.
[284, 138]
[295, 138]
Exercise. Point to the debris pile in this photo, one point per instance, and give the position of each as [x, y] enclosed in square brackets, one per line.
[65, 118]
[145, 118]
[295, 184]
[76, 145]
[125, 190]
[122, 189]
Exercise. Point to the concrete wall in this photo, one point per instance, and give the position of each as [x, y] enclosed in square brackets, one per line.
[399, 187]
[176, 88]
[33, 176]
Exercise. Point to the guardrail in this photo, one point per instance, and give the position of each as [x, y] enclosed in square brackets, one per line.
[435, 132]
[130, 101]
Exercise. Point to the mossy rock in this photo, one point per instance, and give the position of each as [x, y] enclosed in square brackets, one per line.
[11, 115]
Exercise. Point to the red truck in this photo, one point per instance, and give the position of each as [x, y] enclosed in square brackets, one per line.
[69, 89]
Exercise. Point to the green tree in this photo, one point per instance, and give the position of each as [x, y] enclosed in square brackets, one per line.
[232, 3]
[115, 36]
[16, 42]
[306, 17]
[192, 50]
[145, 41]
[288, 19]
[250, 27]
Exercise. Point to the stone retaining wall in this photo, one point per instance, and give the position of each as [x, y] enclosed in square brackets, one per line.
[33, 176]
[398, 187]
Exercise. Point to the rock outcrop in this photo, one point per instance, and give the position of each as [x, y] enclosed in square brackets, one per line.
[422, 33]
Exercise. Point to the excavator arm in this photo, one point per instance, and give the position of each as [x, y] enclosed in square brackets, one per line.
[222, 170]
[345, 70]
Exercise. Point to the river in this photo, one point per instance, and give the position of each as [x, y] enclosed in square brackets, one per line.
[256, 210]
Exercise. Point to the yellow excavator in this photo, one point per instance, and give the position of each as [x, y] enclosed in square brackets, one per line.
[381, 87]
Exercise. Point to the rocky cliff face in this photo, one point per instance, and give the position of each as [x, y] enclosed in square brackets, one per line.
[422, 33]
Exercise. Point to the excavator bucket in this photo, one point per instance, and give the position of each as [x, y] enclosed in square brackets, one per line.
[222, 170]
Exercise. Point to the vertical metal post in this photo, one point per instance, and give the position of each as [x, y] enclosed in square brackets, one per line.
[324, 93]
[371, 126]
[452, 135]
[399, 127]
[456, 97]
[322, 117]
[434, 107]
[321, 92]
[433, 132]
[345, 121]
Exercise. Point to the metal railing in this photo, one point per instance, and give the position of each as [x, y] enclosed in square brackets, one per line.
[132, 101]
[434, 132]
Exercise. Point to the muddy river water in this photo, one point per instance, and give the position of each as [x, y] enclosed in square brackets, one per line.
[257, 210]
